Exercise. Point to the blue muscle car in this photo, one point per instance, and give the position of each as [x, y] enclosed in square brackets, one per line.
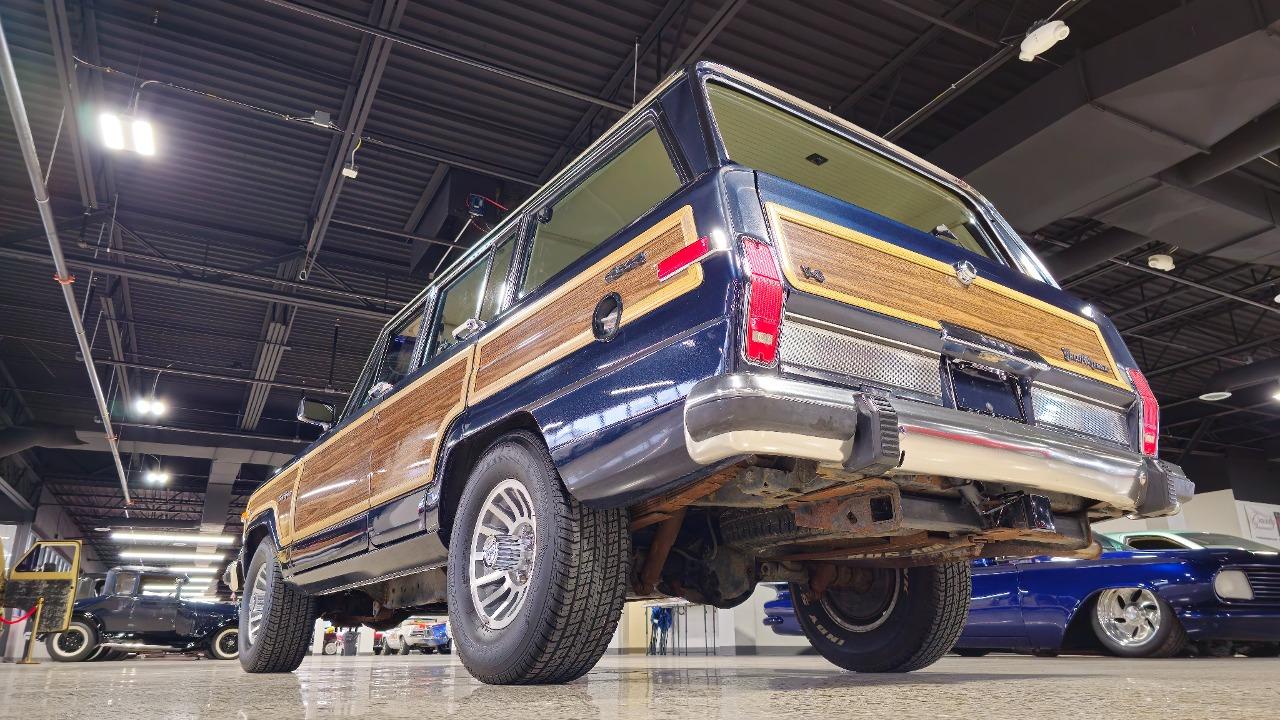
[1150, 594]
[141, 609]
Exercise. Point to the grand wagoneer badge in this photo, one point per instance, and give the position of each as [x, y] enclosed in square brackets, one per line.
[1081, 359]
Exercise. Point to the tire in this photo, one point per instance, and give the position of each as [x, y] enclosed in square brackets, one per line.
[225, 644]
[276, 619]
[446, 649]
[1151, 630]
[77, 643]
[427, 650]
[971, 652]
[377, 651]
[330, 648]
[903, 620]
[404, 648]
[565, 593]
[98, 655]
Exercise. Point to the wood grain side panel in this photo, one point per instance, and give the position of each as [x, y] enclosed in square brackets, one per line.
[864, 271]
[277, 494]
[335, 479]
[561, 322]
[410, 427]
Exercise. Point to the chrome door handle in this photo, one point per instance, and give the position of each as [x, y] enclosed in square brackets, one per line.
[468, 328]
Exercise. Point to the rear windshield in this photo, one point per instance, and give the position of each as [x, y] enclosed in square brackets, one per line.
[769, 139]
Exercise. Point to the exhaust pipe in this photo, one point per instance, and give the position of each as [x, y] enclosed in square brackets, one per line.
[22, 128]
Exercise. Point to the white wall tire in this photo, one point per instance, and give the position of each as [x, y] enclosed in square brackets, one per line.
[225, 644]
[77, 643]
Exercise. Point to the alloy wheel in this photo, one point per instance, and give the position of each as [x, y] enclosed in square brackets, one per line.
[503, 551]
[1129, 616]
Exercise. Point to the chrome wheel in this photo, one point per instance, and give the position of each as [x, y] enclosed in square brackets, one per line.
[1129, 616]
[502, 554]
[257, 603]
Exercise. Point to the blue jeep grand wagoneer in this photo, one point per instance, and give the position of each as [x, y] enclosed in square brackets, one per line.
[738, 339]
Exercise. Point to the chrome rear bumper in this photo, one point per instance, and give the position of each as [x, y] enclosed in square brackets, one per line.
[743, 414]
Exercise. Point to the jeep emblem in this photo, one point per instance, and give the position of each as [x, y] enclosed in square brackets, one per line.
[966, 273]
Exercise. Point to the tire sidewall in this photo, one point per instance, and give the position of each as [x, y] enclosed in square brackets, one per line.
[215, 650]
[484, 651]
[1151, 646]
[264, 555]
[90, 646]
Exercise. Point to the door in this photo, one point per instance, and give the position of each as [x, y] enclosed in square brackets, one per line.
[115, 609]
[995, 611]
[411, 423]
[155, 607]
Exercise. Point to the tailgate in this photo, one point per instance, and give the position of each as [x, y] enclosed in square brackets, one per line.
[840, 263]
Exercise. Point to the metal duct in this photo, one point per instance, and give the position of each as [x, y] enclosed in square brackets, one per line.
[1238, 378]
[22, 128]
[1094, 251]
[1256, 138]
[14, 440]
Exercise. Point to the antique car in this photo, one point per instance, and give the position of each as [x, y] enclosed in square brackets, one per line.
[737, 339]
[424, 634]
[1150, 594]
[146, 610]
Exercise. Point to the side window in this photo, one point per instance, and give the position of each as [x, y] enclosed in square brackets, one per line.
[458, 303]
[605, 202]
[124, 584]
[495, 288]
[397, 356]
[1153, 542]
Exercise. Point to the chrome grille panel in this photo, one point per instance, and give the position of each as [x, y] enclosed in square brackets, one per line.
[859, 356]
[1265, 582]
[1065, 411]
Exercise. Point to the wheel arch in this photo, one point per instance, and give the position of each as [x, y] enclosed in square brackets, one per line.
[463, 451]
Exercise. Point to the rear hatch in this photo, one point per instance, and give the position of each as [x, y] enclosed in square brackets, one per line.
[934, 303]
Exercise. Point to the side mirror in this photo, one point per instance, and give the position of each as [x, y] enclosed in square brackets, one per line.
[316, 412]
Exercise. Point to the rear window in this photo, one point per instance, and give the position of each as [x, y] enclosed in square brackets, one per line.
[769, 139]
[1228, 542]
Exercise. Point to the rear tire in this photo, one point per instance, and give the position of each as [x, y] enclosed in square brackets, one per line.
[404, 648]
[1136, 623]
[536, 592]
[276, 619]
[77, 643]
[903, 620]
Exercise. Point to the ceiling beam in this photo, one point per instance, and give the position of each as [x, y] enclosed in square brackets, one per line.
[900, 60]
[211, 286]
[440, 51]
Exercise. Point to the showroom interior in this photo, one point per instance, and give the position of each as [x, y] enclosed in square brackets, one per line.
[210, 209]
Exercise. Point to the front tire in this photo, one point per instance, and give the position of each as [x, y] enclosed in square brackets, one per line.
[276, 619]
[404, 648]
[77, 643]
[1135, 623]
[225, 644]
[891, 620]
[536, 579]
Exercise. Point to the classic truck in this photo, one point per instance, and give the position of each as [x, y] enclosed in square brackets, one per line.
[737, 339]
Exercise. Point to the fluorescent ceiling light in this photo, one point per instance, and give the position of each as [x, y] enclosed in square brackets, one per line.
[168, 555]
[112, 130]
[192, 570]
[190, 538]
[144, 143]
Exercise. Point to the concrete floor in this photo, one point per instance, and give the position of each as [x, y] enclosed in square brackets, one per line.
[734, 688]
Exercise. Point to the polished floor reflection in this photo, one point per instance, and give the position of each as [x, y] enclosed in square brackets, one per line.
[733, 688]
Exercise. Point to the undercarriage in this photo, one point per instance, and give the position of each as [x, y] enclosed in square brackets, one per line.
[775, 519]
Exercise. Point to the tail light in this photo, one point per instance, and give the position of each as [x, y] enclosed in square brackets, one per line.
[1149, 420]
[764, 303]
